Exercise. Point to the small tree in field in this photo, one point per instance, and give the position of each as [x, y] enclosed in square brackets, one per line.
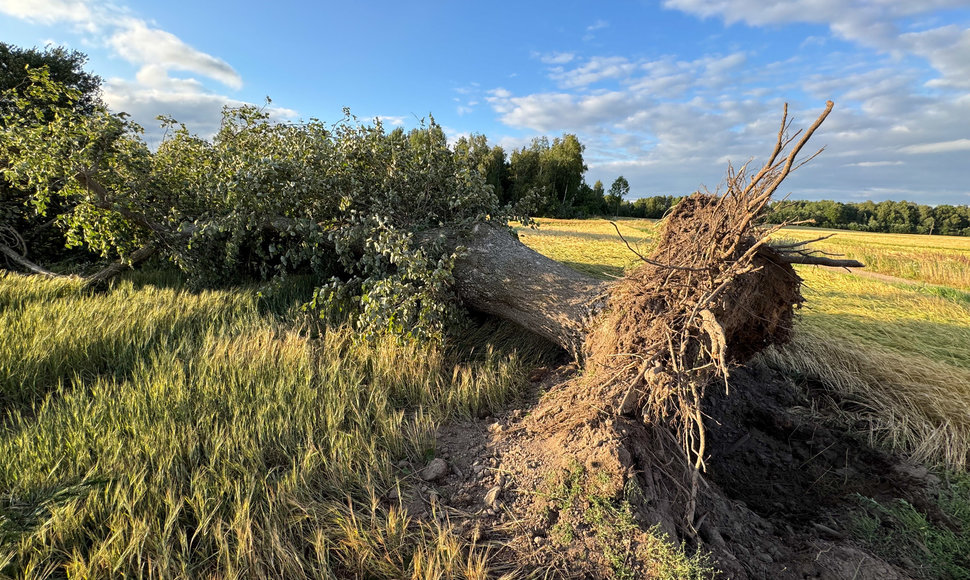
[619, 190]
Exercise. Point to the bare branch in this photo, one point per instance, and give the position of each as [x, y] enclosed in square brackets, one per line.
[820, 261]
[799, 244]
[31, 266]
[648, 260]
[137, 257]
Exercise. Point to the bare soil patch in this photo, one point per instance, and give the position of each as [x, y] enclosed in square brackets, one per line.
[559, 485]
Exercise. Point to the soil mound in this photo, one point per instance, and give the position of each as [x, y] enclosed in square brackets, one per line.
[570, 490]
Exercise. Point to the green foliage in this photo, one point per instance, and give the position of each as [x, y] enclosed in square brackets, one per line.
[938, 548]
[50, 139]
[619, 190]
[64, 66]
[901, 217]
[547, 177]
[261, 200]
[31, 231]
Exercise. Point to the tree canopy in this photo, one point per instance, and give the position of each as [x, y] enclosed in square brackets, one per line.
[21, 224]
[259, 200]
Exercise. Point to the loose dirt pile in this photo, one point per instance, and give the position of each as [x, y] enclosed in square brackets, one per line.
[564, 488]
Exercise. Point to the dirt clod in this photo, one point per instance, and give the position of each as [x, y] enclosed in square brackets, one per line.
[435, 470]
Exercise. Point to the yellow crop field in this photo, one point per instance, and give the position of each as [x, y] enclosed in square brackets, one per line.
[943, 260]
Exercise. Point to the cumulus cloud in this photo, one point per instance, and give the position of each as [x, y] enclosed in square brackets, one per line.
[392, 120]
[158, 54]
[153, 93]
[50, 11]
[140, 44]
[871, 23]
[130, 38]
[650, 119]
[594, 70]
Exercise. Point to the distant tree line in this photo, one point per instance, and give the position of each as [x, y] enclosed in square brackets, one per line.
[901, 217]
[546, 178]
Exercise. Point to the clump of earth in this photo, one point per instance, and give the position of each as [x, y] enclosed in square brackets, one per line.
[560, 485]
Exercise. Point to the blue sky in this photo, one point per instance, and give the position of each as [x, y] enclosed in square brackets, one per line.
[665, 93]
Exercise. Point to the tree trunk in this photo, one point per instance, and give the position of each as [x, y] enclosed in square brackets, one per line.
[499, 275]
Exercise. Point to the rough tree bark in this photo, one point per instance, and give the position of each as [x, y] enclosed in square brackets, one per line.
[500, 275]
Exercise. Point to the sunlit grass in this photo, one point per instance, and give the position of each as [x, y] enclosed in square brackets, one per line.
[155, 432]
[943, 260]
[151, 431]
[590, 246]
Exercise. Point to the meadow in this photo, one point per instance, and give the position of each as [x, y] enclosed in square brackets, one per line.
[156, 431]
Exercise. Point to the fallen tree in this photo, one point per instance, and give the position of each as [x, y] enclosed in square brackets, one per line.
[708, 242]
[402, 233]
[401, 236]
[399, 231]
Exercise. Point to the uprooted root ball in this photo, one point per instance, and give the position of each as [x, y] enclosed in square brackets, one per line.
[712, 293]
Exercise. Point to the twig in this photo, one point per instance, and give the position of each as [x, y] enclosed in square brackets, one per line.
[820, 261]
[652, 262]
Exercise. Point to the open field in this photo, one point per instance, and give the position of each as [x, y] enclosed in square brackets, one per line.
[155, 431]
[942, 260]
[158, 432]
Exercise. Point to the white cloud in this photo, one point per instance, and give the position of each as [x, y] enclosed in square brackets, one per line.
[157, 54]
[139, 44]
[553, 112]
[651, 120]
[392, 120]
[938, 147]
[874, 164]
[873, 24]
[598, 25]
[130, 38]
[49, 11]
[594, 70]
[557, 57]
[184, 100]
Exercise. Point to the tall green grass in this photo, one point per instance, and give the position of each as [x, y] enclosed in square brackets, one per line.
[150, 431]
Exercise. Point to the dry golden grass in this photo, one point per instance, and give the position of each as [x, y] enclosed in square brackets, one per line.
[943, 260]
[155, 432]
[590, 246]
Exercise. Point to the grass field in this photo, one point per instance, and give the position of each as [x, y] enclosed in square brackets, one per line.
[156, 432]
[153, 431]
[941, 260]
